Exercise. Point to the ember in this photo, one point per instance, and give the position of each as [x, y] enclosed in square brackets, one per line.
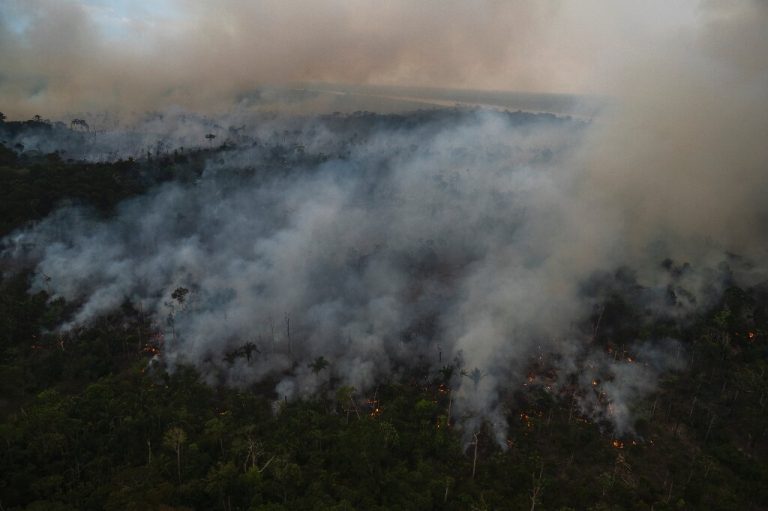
[375, 408]
[149, 348]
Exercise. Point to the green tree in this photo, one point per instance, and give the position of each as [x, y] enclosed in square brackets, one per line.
[174, 439]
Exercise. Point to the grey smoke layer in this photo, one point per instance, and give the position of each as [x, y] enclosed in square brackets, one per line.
[463, 236]
[476, 233]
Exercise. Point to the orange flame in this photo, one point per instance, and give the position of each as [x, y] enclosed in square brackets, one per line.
[148, 348]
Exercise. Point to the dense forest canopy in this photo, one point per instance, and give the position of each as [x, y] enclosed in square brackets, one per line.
[361, 311]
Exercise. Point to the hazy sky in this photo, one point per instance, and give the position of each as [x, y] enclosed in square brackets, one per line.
[61, 56]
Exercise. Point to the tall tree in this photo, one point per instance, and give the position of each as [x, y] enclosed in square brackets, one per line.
[174, 438]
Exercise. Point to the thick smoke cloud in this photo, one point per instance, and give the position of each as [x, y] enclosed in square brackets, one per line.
[471, 238]
[70, 56]
[353, 248]
[62, 57]
[683, 152]
[473, 244]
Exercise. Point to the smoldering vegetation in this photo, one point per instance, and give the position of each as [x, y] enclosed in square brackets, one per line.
[314, 252]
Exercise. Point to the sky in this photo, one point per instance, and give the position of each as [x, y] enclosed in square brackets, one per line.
[60, 56]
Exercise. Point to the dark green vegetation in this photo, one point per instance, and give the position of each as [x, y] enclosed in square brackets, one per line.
[86, 422]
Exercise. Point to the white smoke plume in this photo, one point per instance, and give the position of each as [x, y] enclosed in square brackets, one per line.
[473, 243]
[468, 230]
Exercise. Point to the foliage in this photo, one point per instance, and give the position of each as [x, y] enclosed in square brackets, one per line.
[88, 422]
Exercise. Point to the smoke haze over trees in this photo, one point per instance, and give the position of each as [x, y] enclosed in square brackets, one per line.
[345, 240]
[311, 261]
[193, 185]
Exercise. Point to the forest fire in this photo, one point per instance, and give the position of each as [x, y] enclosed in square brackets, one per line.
[557, 211]
[375, 407]
[151, 349]
[526, 419]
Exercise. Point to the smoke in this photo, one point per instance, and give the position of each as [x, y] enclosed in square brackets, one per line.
[468, 235]
[473, 243]
[66, 57]
[352, 246]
